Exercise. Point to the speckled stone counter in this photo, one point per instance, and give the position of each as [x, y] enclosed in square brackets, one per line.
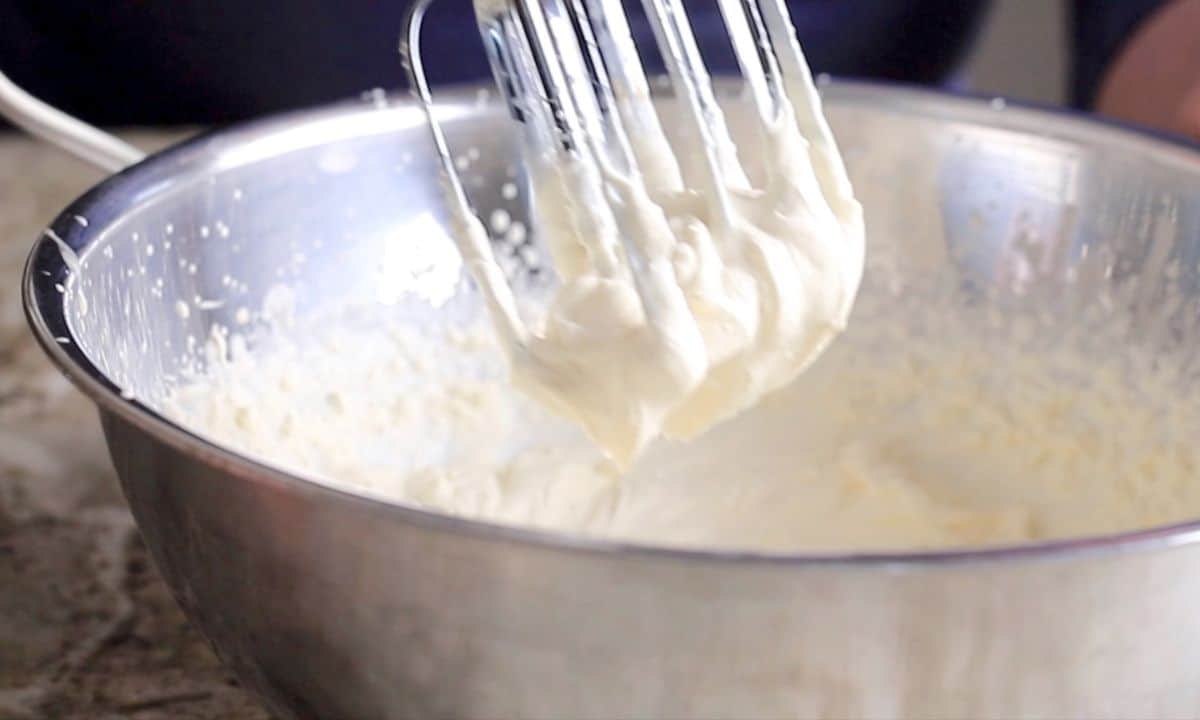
[87, 629]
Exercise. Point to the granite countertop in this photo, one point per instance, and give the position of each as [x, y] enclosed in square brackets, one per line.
[87, 628]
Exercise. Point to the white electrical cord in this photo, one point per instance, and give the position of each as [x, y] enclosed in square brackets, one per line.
[78, 138]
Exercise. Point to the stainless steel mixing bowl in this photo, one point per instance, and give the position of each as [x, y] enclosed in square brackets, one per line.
[336, 605]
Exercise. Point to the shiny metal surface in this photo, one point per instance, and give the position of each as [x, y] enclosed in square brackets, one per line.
[338, 606]
[57, 128]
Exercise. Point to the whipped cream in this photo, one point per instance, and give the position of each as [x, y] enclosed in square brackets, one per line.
[925, 426]
[687, 292]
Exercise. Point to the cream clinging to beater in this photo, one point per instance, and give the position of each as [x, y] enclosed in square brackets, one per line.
[687, 291]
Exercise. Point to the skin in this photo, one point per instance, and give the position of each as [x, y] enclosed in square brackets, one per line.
[1155, 80]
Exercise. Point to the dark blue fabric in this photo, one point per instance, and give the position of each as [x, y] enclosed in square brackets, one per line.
[189, 61]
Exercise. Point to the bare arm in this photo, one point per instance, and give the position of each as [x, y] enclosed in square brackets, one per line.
[1155, 80]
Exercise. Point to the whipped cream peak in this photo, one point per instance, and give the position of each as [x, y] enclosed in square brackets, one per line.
[686, 292]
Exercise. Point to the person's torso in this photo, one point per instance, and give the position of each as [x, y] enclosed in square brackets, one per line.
[187, 61]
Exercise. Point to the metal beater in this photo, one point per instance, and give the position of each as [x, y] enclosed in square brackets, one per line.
[572, 78]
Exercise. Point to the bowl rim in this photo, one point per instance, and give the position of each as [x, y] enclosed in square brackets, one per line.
[45, 310]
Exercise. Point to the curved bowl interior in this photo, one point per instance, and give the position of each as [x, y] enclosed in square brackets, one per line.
[340, 208]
